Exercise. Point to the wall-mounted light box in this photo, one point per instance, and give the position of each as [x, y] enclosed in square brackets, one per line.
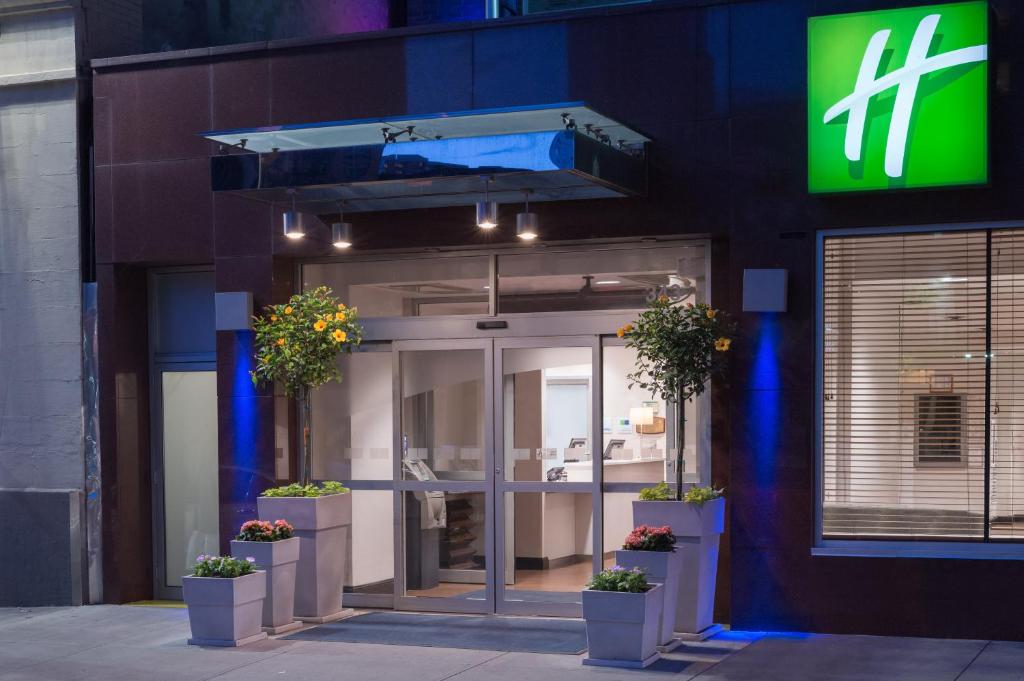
[898, 99]
[233, 310]
[765, 290]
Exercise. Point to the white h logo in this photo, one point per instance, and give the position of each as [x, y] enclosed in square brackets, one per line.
[905, 80]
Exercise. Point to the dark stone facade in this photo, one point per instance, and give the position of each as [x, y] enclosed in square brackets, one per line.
[721, 91]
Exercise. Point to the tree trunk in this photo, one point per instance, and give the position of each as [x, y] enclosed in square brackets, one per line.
[680, 440]
[306, 423]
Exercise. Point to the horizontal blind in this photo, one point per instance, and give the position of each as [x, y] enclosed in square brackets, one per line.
[1006, 509]
[904, 386]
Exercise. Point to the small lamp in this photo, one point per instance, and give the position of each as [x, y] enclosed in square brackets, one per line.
[526, 222]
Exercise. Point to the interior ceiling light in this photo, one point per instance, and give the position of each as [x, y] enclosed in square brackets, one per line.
[487, 210]
[292, 221]
[341, 231]
[608, 282]
[527, 225]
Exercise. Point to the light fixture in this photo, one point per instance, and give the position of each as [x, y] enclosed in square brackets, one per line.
[341, 234]
[341, 231]
[608, 282]
[526, 222]
[487, 210]
[292, 221]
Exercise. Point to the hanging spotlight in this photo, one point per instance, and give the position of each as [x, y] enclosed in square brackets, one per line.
[487, 210]
[527, 224]
[292, 221]
[341, 234]
[341, 231]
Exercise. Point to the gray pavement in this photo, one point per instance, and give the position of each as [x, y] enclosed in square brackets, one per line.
[122, 643]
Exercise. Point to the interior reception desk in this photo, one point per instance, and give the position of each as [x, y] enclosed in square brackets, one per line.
[553, 529]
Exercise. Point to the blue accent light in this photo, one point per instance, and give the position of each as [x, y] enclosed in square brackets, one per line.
[244, 420]
[765, 408]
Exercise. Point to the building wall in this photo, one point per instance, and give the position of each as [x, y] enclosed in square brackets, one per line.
[41, 427]
[721, 91]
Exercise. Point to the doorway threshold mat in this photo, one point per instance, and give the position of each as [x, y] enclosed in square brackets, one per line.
[503, 634]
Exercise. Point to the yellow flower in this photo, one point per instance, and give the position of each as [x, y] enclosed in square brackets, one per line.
[712, 313]
[722, 344]
[340, 335]
[280, 341]
[340, 316]
[287, 309]
[320, 325]
[623, 330]
[662, 298]
[341, 306]
[273, 317]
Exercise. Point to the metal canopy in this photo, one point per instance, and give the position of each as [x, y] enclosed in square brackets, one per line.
[558, 152]
[475, 123]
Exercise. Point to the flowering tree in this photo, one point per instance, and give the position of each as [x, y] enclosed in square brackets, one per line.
[678, 349]
[297, 344]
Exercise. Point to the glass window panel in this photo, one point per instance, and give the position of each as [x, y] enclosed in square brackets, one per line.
[352, 420]
[614, 279]
[417, 287]
[618, 522]
[637, 427]
[1006, 510]
[444, 540]
[904, 326]
[191, 502]
[548, 413]
[548, 546]
[443, 417]
[370, 555]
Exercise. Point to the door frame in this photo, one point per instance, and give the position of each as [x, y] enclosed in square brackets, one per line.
[158, 364]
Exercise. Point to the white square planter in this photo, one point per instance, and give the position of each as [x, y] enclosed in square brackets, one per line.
[279, 560]
[322, 527]
[622, 628]
[697, 530]
[225, 612]
[663, 567]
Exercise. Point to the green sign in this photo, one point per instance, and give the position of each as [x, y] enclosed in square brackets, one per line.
[898, 98]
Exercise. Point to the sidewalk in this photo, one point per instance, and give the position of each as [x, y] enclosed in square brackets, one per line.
[120, 643]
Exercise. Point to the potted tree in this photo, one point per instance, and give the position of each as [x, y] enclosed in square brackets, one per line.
[679, 348]
[653, 550]
[224, 596]
[275, 550]
[623, 614]
[297, 344]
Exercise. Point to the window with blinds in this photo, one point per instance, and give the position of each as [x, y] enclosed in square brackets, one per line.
[907, 322]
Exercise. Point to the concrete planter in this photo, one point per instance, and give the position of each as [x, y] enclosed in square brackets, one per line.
[663, 567]
[697, 530]
[279, 560]
[322, 526]
[225, 612]
[622, 628]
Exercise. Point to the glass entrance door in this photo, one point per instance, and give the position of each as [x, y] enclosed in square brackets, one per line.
[444, 476]
[546, 425]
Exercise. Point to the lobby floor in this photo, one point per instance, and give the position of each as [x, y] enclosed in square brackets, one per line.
[124, 643]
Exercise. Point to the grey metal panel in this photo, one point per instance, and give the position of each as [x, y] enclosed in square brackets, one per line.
[42, 563]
